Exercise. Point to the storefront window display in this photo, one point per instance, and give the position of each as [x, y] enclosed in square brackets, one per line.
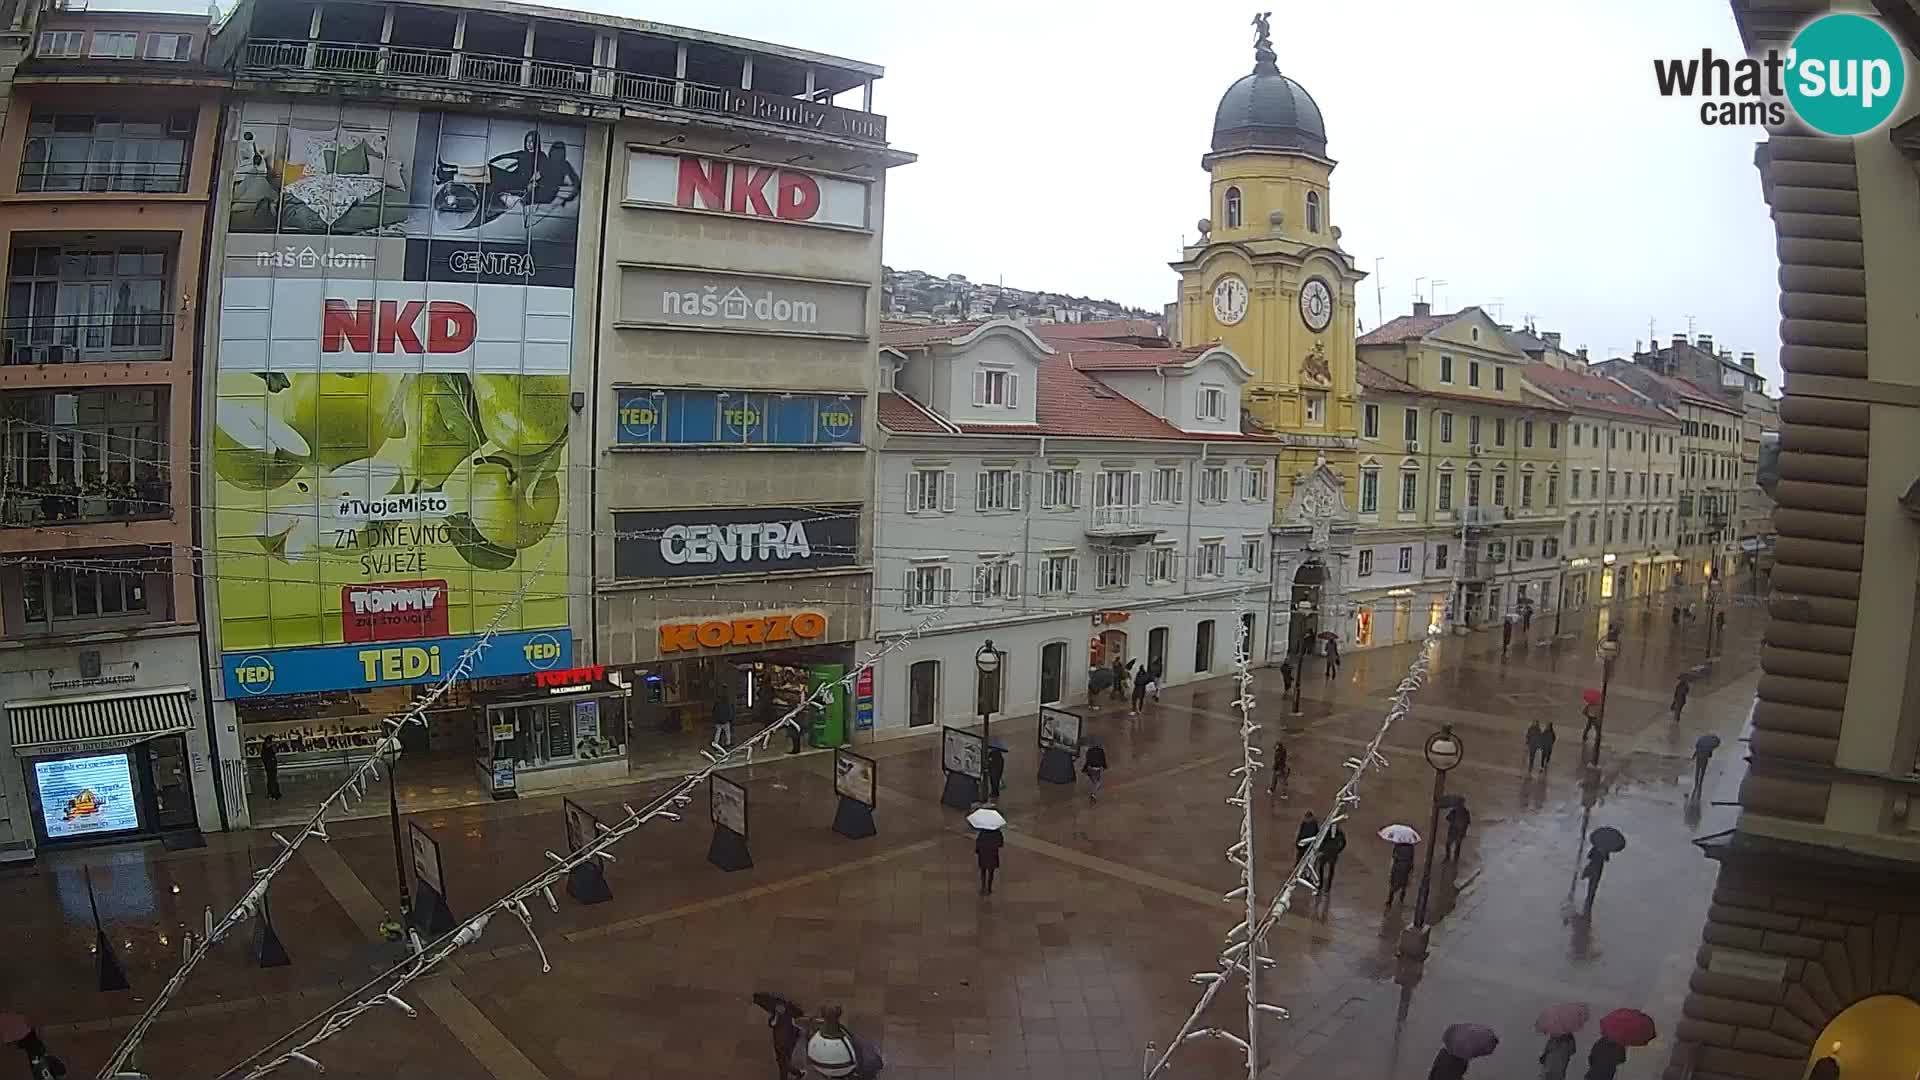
[578, 718]
[674, 702]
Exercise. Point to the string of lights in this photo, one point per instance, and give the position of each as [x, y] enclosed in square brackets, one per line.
[1242, 954]
[383, 990]
[251, 900]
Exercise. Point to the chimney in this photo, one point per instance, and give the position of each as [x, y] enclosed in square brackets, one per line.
[1583, 354]
[1746, 360]
[1679, 340]
[1704, 343]
[1421, 308]
[1552, 338]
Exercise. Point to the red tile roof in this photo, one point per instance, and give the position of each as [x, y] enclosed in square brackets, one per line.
[901, 413]
[1372, 378]
[909, 335]
[1406, 328]
[1582, 392]
[1681, 388]
[1130, 358]
[1102, 329]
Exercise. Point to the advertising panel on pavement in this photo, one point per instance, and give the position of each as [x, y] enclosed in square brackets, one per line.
[392, 392]
[961, 751]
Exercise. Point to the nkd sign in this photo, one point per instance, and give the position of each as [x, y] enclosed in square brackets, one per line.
[658, 296]
[704, 543]
[746, 189]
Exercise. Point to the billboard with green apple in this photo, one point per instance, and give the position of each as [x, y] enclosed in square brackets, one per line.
[393, 395]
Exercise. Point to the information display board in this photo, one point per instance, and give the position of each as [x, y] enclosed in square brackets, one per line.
[87, 796]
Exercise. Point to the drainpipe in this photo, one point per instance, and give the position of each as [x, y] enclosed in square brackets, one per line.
[1026, 533]
[1186, 567]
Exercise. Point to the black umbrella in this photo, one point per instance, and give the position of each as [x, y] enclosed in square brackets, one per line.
[771, 1001]
[1609, 839]
[1100, 679]
[998, 745]
[1453, 800]
[1707, 743]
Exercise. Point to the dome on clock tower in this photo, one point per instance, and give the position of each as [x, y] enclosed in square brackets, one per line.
[1266, 110]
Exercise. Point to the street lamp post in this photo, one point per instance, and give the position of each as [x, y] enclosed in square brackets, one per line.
[987, 663]
[1608, 651]
[1304, 650]
[1444, 752]
[393, 818]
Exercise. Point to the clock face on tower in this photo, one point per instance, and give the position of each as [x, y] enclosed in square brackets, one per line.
[1229, 300]
[1316, 304]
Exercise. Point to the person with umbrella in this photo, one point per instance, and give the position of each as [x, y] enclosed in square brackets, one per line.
[1333, 656]
[1703, 748]
[1286, 674]
[987, 844]
[1458, 818]
[1607, 841]
[1400, 871]
[1681, 688]
[837, 1053]
[1558, 1023]
[1119, 678]
[1303, 836]
[1460, 1044]
[1095, 766]
[1325, 863]
[1619, 1029]
[1506, 636]
[783, 1018]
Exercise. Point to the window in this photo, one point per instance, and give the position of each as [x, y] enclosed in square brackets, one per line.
[1169, 484]
[1612, 486]
[1366, 562]
[1313, 211]
[1473, 489]
[929, 585]
[62, 42]
[1473, 430]
[1213, 484]
[1497, 551]
[1626, 484]
[1553, 490]
[1116, 497]
[115, 45]
[1645, 490]
[1406, 560]
[108, 151]
[1213, 403]
[1409, 491]
[1473, 373]
[1212, 559]
[1162, 564]
[1440, 556]
[1499, 489]
[1575, 429]
[1576, 481]
[86, 589]
[1499, 431]
[1593, 483]
[1609, 528]
[1253, 554]
[1446, 369]
[929, 491]
[1410, 425]
[1526, 492]
[996, 577]
[997, 489]
[66, 304]
[996, 386]
[1062, 490]
[1523, 551]
[1591, 527]
[1640, 526]
[1446, 427]
[1113, 568]
[174, 47]
[1059, 574]
[1370, 422]
[1573, 530]
[1612, 438]
[1203, 646]
[1253, 483]
[1499, 377]
[84, 454]
[1550, 548]
[1643, 440]
[1443, 499]
[1233, 208]
[1526, 433]
[1369, 491]
[1316, 406]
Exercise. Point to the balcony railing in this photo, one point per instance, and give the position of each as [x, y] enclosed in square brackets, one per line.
[103, 176]
[29, 507]
[72, 339]
[389, 62]
[1111, 516]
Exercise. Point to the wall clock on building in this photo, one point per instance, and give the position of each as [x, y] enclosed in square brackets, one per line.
[1229, 300]
[1316, 304]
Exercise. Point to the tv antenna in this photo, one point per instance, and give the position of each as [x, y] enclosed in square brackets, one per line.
[1434, 290]
[1379, 294]
[1416, 288]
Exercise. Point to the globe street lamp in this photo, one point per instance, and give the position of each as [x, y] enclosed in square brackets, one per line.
[987, 663]
[1444, 752]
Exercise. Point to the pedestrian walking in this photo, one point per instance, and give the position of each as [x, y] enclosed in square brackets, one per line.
[1533, 744]
[986, 849]
[1596, 866]
[1557, 1058]
[1281, 774]
[1547, 738]
[1719, 624]
[1120, 682]
[836, 1053]
[1458, 819]
[1141, 678]
[1676, 614]
[723, 719]
[1399, 873]
[1286, 675]
[1605, 1059]
[42, 1064]
[270, 761]
[1702, 754]
[1506, 635]
[783, 1021]
[1155, 672]
[1095, 767]
[1526, 619]
[793, 730]
[996, 769]
[1681, 688]
[1333, 658]
[1328, 860]
[1447, 1066]
[1303, 836]
[1592, 714]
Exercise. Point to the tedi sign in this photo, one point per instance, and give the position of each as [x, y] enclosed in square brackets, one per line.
[745, 189]
[696, 543]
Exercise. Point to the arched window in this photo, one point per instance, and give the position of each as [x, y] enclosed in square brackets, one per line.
[1233, 208]
[1313, 211]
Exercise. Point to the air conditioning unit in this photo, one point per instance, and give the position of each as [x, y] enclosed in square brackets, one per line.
[1413, 446]
[1476, 449]
[63, 354]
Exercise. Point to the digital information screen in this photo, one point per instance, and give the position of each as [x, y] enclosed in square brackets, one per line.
[83, 796]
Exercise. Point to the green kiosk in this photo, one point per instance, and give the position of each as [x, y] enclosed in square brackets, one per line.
[829, 723]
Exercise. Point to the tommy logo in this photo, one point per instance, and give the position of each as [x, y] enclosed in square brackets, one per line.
[393, 611]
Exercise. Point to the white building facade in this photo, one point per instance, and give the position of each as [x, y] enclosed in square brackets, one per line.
[1068, 517]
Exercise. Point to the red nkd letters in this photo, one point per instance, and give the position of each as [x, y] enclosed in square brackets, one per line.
[754, 190]
[362, 326]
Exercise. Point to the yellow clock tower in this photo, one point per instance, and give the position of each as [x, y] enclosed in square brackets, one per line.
[1268, 277]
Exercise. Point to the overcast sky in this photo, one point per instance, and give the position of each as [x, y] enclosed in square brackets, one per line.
[1515, 149]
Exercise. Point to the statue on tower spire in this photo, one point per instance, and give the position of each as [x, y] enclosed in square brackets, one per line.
[1265, 60]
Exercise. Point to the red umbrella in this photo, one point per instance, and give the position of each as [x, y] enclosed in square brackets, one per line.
[1628, 1027]
[1469, 1040]
[1562, 1019]
[14, 1027]
[1590, 696]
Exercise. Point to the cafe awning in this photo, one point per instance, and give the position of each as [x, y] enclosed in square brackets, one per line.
[104, 721]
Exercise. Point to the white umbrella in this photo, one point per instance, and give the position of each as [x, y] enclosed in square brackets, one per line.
[1399, 834]
[986, 818]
